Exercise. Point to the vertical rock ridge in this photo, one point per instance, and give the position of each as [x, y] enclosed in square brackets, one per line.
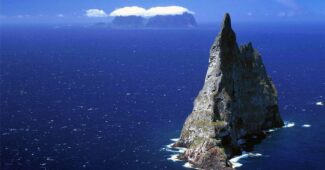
[238, 100]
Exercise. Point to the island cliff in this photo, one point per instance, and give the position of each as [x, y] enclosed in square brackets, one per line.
[237, 103]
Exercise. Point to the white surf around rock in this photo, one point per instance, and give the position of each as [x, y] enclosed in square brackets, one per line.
[174, 158]
[189, 166]
[288, 124]
[235, 160]
[175, 139]
[177, 151]
[272, 130]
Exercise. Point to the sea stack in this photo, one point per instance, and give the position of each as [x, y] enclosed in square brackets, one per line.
[237, 104]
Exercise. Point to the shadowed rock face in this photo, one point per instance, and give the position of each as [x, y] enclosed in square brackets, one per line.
[236, 104]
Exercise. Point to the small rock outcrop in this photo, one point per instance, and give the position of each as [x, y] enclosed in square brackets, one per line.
[237, 103]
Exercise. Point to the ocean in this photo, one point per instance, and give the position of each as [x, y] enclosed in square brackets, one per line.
[95, 98]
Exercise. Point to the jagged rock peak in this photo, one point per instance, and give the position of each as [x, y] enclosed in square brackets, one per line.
[226, 29]
[226, 24]
[225, 42]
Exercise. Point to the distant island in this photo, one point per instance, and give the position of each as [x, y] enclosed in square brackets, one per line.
[185, 20]
[236, 106]
[128, 22]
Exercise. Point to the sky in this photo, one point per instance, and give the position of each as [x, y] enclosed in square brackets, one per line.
[205, 11]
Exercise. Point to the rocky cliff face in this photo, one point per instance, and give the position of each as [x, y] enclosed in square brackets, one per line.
[236, 104]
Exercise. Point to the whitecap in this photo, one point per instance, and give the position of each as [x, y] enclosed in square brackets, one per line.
[319, 103]
[306, 125]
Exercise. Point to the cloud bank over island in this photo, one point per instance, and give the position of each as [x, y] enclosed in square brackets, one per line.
[151, 12]
[139, 11]
[155, 17]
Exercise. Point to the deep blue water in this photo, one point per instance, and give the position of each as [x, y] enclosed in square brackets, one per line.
[85, 98]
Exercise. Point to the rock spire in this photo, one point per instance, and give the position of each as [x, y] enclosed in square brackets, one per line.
[237, 103]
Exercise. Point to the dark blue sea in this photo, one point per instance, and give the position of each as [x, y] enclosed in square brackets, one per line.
[94, 98]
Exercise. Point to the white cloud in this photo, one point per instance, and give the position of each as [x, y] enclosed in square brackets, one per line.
[95, 13]
[128, 11]
[60, 15]
[168, 10]
[154, 11]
